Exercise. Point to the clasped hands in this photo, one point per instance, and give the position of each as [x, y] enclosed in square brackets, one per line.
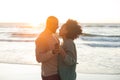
[58, 50]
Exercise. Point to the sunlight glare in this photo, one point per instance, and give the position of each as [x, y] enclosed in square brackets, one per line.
[35, 24]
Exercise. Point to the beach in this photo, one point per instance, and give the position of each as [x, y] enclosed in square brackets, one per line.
[33, 72]
[19, 72]
[98, 52]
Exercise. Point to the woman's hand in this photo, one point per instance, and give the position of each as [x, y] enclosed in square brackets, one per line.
[62, 52]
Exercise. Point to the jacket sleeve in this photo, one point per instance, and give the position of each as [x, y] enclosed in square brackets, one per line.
[70, 58]
[42, 54]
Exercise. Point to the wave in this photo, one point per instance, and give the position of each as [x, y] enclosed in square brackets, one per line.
[100, 38]
[103, 45]
[24, 34]
[11, 40]
[94, 35]
[101, 25]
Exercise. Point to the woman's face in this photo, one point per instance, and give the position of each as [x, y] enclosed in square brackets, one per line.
[63, 31]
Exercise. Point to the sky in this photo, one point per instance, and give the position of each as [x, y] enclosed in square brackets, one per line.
[84, 11]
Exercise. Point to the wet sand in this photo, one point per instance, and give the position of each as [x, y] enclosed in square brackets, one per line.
[33, 72]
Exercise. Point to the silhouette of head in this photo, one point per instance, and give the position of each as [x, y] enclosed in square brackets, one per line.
[52, 23]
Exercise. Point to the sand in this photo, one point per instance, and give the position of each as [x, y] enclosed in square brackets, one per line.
[33, 72]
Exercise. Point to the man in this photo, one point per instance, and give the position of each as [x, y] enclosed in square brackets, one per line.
[46, 45]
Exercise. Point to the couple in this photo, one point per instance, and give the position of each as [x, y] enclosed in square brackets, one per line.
[58, 61]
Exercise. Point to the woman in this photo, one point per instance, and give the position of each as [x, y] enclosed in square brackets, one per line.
[67, 58]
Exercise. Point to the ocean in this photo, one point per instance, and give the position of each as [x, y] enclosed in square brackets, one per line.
[98, 49]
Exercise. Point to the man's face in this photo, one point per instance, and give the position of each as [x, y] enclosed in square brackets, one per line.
[54, 27]
[52, 24]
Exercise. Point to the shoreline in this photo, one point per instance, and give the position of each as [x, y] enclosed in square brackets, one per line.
[13, 71]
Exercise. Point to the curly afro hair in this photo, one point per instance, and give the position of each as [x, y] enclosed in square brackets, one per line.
[73, 29]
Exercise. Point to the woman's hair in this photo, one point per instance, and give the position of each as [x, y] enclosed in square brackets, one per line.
[73, 29]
